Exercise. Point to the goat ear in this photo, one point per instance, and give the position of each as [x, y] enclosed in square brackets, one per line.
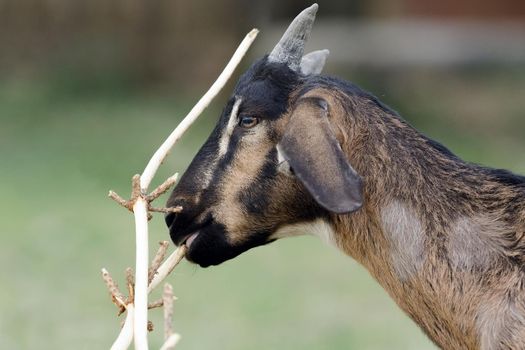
[313, 63]
[310, 147]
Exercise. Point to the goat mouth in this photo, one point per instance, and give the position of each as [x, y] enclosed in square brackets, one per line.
[186, 239]
[190, 239]
[186, 236]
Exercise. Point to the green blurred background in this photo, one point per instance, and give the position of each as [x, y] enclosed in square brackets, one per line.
[88, 90]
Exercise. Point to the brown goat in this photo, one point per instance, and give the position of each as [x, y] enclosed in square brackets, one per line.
[295, 152]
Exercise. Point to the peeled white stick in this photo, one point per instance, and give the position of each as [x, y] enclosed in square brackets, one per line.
[171, 342]
[205, 100]
[167, 266]
[140, 208]
[126, 334]
[140, 326]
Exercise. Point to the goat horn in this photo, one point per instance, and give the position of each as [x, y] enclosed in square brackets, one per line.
[290, 48]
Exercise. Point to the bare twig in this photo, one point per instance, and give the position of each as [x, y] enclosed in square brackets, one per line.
[177, 209]
[167, 298]
[135, 186]
[116, 295]
[113, 195]
[157, 260]
[171, 342]
[156, 304]
[135, 194]
[130, 279]
[165, 186]
[125, 336]
[168, 266]
[140, 324]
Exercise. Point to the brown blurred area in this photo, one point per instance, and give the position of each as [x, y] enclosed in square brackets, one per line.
[469, 9]
[175, 41]
[149, 40]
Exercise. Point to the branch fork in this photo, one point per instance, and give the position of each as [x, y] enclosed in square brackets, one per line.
[121, 301]
[158, 271]
[137, 192]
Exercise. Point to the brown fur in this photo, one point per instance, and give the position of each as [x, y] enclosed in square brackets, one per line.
[245, 168]
[443, 237]
[477, 304]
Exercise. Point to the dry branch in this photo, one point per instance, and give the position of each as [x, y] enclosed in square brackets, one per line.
[140, 322]
[156, 304]
[125, 303]
[158, 259]
[170, 339]
[177, 209]
[130, 279]
[136, 324]
[165, 269]
[163, 188]
[167, 299]
[171, 342]
[125, 336]
[205, 100]
[116, 295]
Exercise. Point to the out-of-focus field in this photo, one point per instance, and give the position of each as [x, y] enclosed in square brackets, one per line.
[63, 145]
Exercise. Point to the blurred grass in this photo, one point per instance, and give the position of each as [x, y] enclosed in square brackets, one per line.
[64, 144]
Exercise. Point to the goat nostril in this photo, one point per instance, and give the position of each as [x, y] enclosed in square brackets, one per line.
[169, 218]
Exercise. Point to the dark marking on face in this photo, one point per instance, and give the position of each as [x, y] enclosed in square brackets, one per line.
[265, 89]
[211, 248]
[256, 197]
[240, 180]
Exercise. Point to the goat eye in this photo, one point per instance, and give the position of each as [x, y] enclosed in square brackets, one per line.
[248, 122]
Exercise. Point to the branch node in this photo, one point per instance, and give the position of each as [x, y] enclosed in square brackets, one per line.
[126, 204]
[177, 209]
[135, 187]
[167, 297]
[130, 279]
[157, 303]
[163, 188]
[157, 260]
[116, 296]
[167, 266]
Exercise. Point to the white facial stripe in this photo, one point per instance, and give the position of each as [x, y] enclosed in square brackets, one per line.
[282, 165]
[227, 133]
[223, 144]
[280, 157]
[206, 178]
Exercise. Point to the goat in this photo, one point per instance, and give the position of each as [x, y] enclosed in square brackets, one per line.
[297, 152]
